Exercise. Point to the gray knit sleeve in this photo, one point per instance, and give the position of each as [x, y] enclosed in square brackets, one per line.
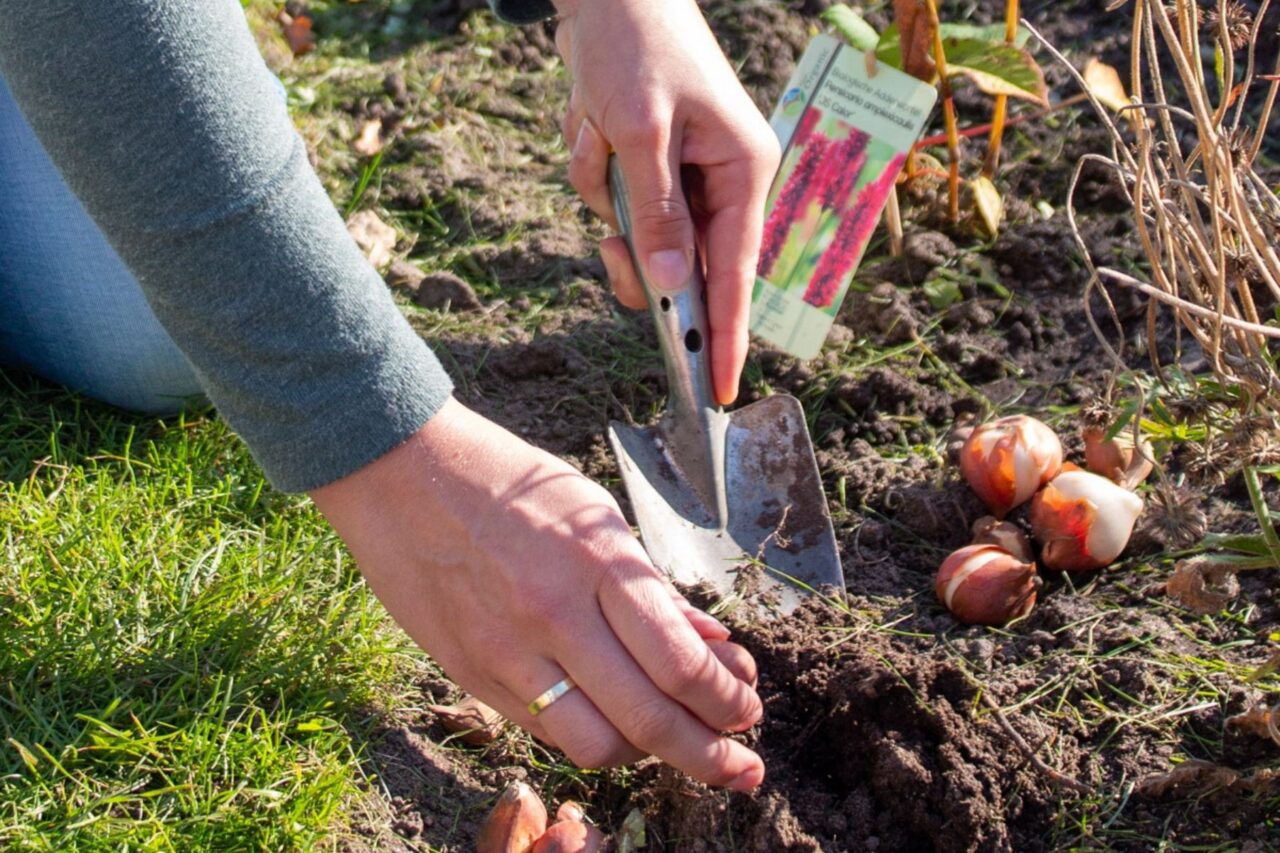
[164, 120]
[523, 11]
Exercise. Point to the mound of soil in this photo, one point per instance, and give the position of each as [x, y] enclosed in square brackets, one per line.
[888, 726]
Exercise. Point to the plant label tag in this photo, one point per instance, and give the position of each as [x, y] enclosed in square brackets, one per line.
[845, 125]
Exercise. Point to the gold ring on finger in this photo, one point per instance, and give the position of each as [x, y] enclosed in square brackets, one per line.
[545, 699]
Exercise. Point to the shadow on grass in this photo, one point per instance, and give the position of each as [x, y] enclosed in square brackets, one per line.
[43, 423]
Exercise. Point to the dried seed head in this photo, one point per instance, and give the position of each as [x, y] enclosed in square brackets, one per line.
[1239, 264]
[1234, 19]
[1209, 461]
[1192, 407]
[1239, 143]
[1096, 414]
[1252, 440]
[1175, 519]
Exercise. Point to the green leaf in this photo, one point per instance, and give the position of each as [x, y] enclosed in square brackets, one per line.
[851, 26]
[1253, 544]
[994, 67]
[989, 33]
[1262, 512]
[998, 69]
[889, 48]
[942, 292]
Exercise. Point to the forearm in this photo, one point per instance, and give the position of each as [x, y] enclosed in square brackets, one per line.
[164, 121]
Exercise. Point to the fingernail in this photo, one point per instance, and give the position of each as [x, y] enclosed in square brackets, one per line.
[587, 136]
[669, 269]
[749, 780]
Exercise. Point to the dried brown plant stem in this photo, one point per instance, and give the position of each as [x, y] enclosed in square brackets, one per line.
[1053, 775]
[1204, 219]
[999, 111]
[893, 222]
[948, 113]
[1250, 63]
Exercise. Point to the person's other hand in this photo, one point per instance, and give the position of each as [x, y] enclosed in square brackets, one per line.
[511, 570]
[651, 82]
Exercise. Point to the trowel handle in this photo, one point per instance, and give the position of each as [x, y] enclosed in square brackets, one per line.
[681, 318]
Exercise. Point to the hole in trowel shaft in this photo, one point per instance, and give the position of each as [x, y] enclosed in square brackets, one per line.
[665, 303]
[693, 341]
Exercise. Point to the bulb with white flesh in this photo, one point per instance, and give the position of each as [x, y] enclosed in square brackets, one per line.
[1083, 521]
[1005, 461]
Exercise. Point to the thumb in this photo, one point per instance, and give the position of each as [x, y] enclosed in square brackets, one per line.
[661, 228]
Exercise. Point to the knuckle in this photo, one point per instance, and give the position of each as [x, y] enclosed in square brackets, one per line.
[649, 723]
[769, 152]
[688, 666]
[620, 578]
[646, 126]
[538, 598]
[596, 751]
[664, 219]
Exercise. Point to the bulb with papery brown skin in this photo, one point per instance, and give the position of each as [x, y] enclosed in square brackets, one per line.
[1005, 461]
[1083, 521]
[989, 530]
[472, 720]
[1118, 458]
[986, 585]
[570, 836]
[517, 821]
[569, 810]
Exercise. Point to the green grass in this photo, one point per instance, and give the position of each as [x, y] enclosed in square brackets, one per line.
[187, 659]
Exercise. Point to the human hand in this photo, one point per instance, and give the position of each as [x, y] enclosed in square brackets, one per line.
[511, 570]
[651, 82]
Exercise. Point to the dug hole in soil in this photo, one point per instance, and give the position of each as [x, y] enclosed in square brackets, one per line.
[879, 730]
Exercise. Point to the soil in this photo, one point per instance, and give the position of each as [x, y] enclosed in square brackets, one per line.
[889, 726]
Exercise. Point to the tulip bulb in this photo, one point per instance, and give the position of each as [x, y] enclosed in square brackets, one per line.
[986, 585]
[518, 820]
[1003, 534]
[474, 721]
[1117, 459]
[570, 836]
[1083, 521]
[1005, 461]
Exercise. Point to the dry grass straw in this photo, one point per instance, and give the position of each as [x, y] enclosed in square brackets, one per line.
[1185, 158]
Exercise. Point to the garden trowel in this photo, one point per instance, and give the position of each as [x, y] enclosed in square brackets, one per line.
[721, 496]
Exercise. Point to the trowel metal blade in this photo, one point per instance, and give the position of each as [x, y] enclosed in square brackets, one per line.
[777, 512]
